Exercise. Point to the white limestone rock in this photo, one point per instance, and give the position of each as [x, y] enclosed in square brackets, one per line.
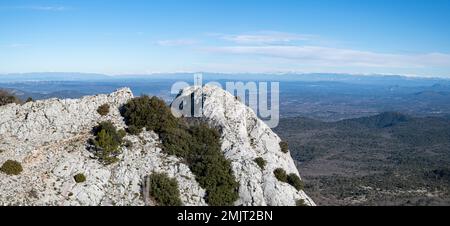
[49, 138]
[244, 138]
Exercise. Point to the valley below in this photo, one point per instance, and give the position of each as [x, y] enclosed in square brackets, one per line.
[387, 159]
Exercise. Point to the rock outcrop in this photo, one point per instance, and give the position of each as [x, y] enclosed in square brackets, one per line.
[244, 138]
[49, 138]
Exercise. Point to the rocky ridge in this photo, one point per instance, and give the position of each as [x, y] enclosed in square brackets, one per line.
[49, 139]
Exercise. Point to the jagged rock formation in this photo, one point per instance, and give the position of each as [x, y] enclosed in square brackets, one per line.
[244, 138]
[49, 139]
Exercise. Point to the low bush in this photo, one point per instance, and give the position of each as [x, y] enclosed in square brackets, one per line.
[103, 109]
[261, 162]
[128, 144]
[164, 189]
[79, 178]
[295, 181]
[147, 112]
[291, 179]
[177, 141]
[107, 142]
[300, 202]
[8, 98]
[197, 143]
[11, 167]
[284, 146]
[280, 174]
[213, 171]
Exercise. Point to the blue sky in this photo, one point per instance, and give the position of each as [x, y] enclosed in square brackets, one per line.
[409, 37]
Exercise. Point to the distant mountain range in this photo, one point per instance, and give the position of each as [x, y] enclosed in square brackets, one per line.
[348, 78]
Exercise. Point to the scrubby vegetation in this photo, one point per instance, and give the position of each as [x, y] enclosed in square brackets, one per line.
[148, 112]
[79, 178]
[386, 159]
[284, 146]
[280, 174]
[300, 202]
[195, 142]
[11, 167]
[103, 109]
[212, 170]
[164, 190]
[128, 144]
[261, 162]
[295, 181]
[107, 142]
[291, 179]
[7, 98]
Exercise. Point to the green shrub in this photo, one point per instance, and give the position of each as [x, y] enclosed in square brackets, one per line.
[7, 98]
[79, 178]
[122, 133]
[164, 189]
[213, 171]
[280, 174]
[151, 113]
[261, 162]
[11, 167]
[29, 99]
[107, 142]
[128, 144]
[300, 202]
[198, 144]
[284, 146]
[177, 141]
[295, 181]
[103, 109]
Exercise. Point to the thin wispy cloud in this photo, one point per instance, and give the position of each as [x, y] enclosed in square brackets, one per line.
[276, 51]
[54, 8]
[18, 45]
[15, 45]
[48, 8]
[324, 56]
[268, 37]
[176, 42]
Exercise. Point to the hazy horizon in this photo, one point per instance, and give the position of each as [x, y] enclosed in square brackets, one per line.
[188, 73]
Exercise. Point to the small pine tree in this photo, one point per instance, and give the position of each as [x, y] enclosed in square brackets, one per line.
[8, 98]
[261, 162]
[79, 178]
[103, 109]
[147, 112]
[11, 167]
[280, 174]
[295, 181]
[300, 202]
[284, 146]
[107, 142]
[164, 189]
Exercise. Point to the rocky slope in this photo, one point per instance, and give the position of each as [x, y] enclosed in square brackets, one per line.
[49, 139]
